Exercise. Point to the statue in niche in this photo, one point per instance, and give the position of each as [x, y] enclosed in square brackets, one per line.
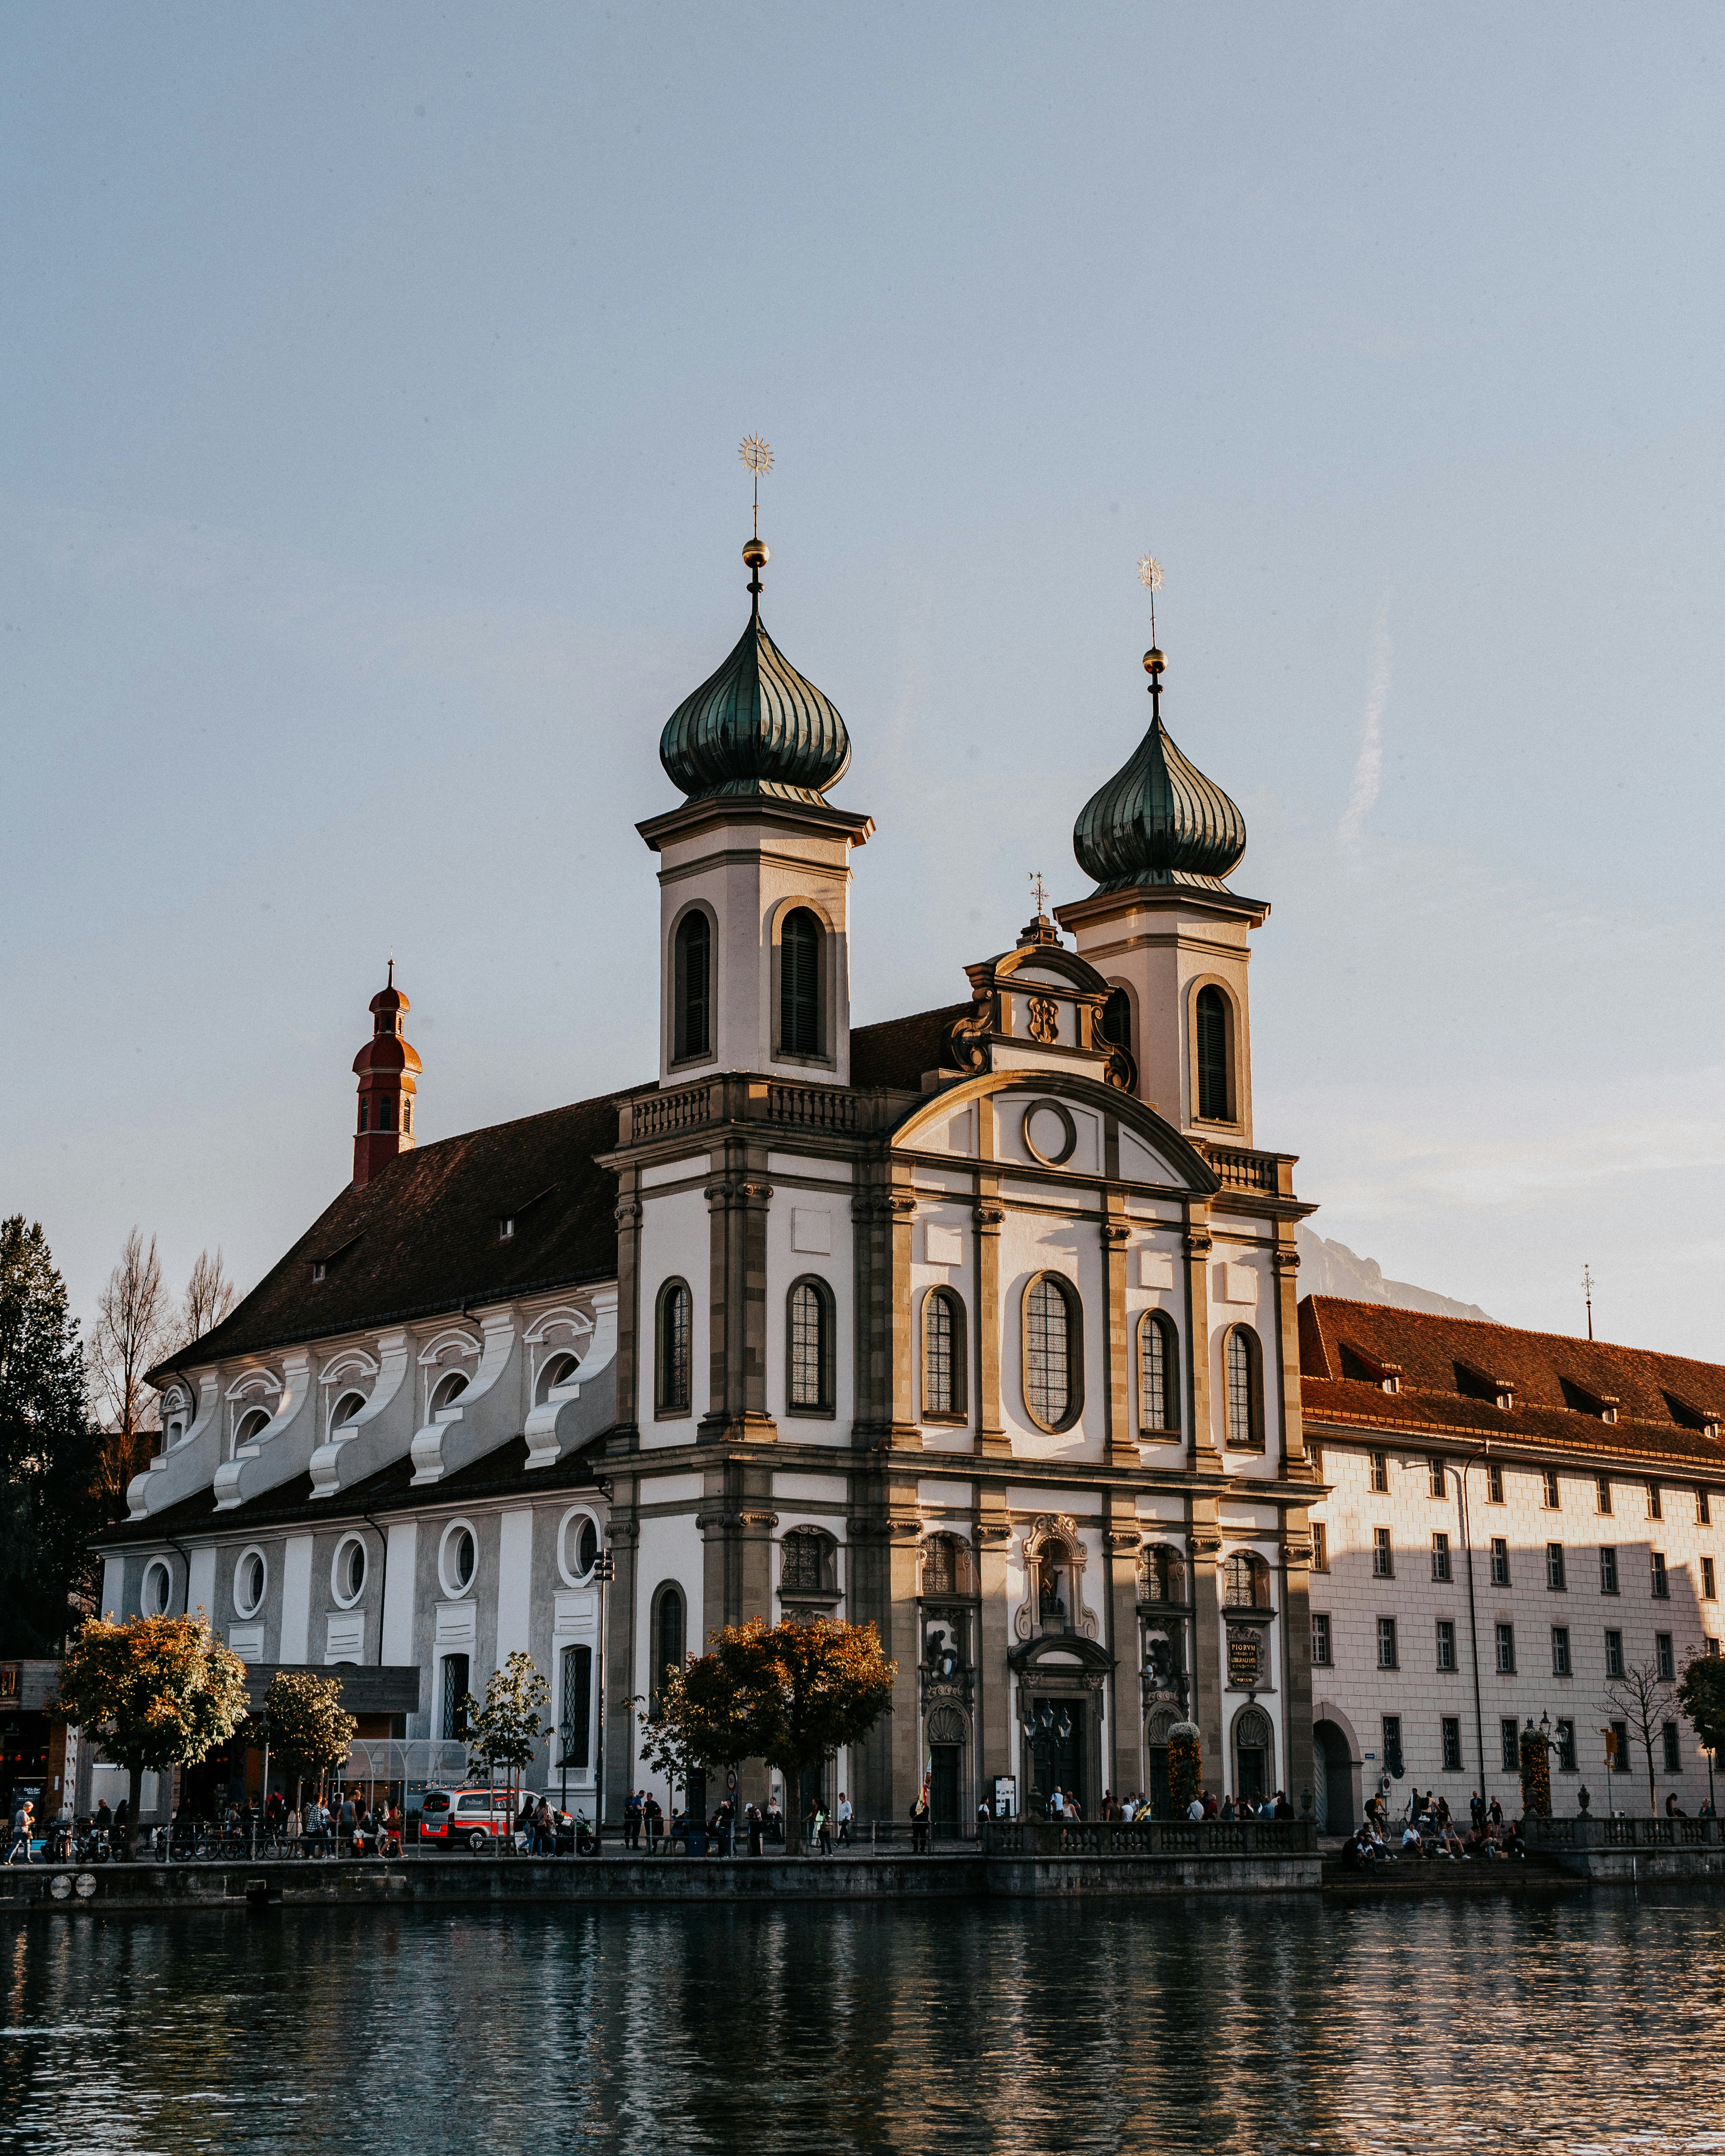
[1048, 1588]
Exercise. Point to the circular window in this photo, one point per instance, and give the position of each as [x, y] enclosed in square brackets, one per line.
[458, 1558]
[578, 1551]
[1050, 1135]
[158, 1587]
[347, 1575]
[251, 1576]
[448, 1390]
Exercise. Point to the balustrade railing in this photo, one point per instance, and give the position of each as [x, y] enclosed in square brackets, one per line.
[1150, 1838]
[1590, 1832]
[1239, 1170]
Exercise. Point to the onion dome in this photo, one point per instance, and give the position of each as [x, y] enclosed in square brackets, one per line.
[756, 727]
[1159, 821]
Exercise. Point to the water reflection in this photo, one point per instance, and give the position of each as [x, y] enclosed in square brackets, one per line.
[1580, 2024]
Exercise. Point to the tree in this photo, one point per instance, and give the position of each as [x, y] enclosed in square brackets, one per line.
[1644, 1699]
[506, 1730]
[1701, 1694]
[1185, 1766]
[308, 1727]
[158, 1692]
[788, 1694]
[134, 1329]
[1536, 1774]
[49, 1506]
[209, 1297]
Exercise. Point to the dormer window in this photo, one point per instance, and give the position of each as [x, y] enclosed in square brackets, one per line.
[505, 1228]
[320, 1271]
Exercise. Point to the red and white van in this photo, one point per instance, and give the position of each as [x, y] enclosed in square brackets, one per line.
[468, 1819]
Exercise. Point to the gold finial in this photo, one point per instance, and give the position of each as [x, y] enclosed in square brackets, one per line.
[1039, 892]
[1150, 577]
[757, 454]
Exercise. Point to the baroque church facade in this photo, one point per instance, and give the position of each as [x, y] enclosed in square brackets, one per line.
[978, 1324]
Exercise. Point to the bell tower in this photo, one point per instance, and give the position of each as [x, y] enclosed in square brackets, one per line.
[385, 1066]
[1164, 929]
[755, 868]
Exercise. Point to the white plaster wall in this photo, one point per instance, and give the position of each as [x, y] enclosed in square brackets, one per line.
[837, 1268]
[670, 1549]
[515, 1581]
[397, 1648]
[1247, 1265]
[1156, 1279]
[676, 1244]
[951, 1219]
[296, 1598]
[1033, 1242]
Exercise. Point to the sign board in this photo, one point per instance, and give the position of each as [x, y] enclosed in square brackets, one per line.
[731, 1778]
[1244, 1661]
[1006, 1796]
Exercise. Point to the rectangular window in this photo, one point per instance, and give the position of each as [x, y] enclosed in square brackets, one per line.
[1500, 1561]
[1446, 1643]
[1510, 1737]
[1393, 1743]
[1452, 1744]
[1673, 1749]
[1560, 1650]
[1380, 1470]
[1505, 1650]
[1553, 1495]
[1608, 1568]
[1708, 1590]
[1320, 1640]
[1565, 1735]
[1602, 1492]
[575, 1730]
[1554, 1567]
[1319, 1547]
[1619, 1756]
[1440, 1557]
[1435, 1467]
[1386, 1643]
[1494, 1482]
[454, 1692]
[1613, 1653]
[1703, 1510]
[1383, 1559]
[1655, 1508]
[1661, 1578]
[1663, 1658]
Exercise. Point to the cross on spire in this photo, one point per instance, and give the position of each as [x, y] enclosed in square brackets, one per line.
[1039, 892]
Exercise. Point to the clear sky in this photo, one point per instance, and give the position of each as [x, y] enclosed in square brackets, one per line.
[369, 496]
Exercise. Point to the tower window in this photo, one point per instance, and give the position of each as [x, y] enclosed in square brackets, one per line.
[386, 1111]
[672, 1358]
[1211, 1015]
[810, 1347]
[942, 1353]
[364, 1107]
[799, 985]
[1117, 1020]
[692, 987]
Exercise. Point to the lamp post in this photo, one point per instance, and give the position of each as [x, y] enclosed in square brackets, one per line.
[604, 1572]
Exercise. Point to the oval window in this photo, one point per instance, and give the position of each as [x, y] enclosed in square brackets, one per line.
[349, 1576]
[250, 1576]
[158, 1587]
[461, 1558]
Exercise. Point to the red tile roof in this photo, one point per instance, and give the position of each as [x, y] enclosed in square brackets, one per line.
[1447, 1372]
[896, 1052]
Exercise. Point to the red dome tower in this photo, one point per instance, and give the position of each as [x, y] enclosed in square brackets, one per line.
[386, 1065]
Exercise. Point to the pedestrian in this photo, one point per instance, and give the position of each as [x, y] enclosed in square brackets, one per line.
[22, 1820]
[653, 1817]
[1057, 1802]
[823, 1831]
[346, 1825]
[632, 1818]
[811, 1823]
[1477, 1808]
[919, 1822]
[1495, 1814]
[844, 1819]
[755, 1823]
[1195, 1810]
[775, 1820]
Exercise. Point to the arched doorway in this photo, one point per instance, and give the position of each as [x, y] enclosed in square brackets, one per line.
[1333, 1760]
[1156, 1736]
[1254, 1749]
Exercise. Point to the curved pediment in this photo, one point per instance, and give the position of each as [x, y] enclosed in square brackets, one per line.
[1151, 1151]
[1058, 1654]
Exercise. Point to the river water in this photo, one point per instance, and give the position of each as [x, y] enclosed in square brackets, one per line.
[1586, 2024]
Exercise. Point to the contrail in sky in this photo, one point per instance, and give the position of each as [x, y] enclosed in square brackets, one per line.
[1368, 764]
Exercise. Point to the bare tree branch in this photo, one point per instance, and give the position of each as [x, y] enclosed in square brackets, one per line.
[1645, 1701]
[134, 1329]
[209, 1297]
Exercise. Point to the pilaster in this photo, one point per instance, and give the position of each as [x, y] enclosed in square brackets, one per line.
[1285, 1263]
[994, 1548]
[991, 1439]
[1296, 1659]
[1121, 1438]
[617, 1718]
[1207, 1702]
[1201, 1452]
[738, 1199]
[626, 1436]
[1121, 1542]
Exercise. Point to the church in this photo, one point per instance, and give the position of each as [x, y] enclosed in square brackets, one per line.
[979, 1324]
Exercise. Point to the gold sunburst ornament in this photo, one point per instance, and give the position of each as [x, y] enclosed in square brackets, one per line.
[1150, 577]
[756, 454]
[1149, 571]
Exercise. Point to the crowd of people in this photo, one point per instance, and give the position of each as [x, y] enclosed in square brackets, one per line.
[1423, 1831]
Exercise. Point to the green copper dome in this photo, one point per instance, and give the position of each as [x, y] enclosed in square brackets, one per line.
[756, 726]
[1159, 821]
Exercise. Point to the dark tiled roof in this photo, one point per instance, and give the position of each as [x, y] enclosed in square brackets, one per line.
[421, 1236]
[896, 1052]
[501, 1472]
[1446, 1367]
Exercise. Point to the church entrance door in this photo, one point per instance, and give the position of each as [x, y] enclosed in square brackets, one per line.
[1057, 1753]
[1251, 1789]
[1335, 1779]
[943, 1790]
[1162, 1803]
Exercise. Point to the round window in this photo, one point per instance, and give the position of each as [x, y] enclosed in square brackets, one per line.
[1050, 1135]
[158, 1587]
[250, 1576]
[459, 1558]
[347, 1577]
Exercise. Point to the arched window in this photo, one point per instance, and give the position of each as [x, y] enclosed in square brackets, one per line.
[692, 987]
[251, 1426]
[364, 1106]
[1159, 1374]
[943, 1354]
[1164, 1573]
[1245, 1582]
[672, 1352]
[1245, 1388]
[808, 1347]
[346, 1408]
[670, 1634]
[448, 1389]
[1211, 1016]
[455, 1711]
[805, 1562]
[1053, 1366]
[1117, 1020]
[386, 1111]
[575, 1721]
[799, 985]
[948, 1567]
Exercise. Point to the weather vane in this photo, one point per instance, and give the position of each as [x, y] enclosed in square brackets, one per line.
[1038, 893]
[1150, 577]
[757, 455]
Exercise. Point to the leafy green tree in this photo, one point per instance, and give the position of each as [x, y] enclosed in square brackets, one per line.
[1701, 1694]
[157, 1692]
[308, 1729]
[1185, 1766]
[49, 1454]
[789, 1694]
[505, 1731]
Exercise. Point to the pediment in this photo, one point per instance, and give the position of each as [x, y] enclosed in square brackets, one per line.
[1151, 1151]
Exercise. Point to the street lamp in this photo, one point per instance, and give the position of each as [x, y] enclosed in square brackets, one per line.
[604, 1572]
